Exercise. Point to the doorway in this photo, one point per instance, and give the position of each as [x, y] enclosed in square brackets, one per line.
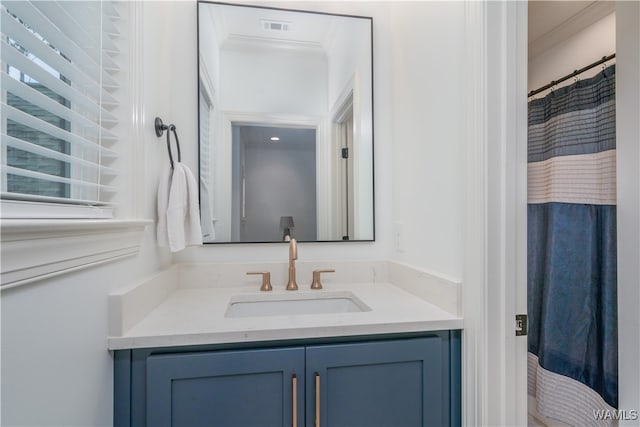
[274, 183]
[567, 36]
[344, 157]
[494, 359]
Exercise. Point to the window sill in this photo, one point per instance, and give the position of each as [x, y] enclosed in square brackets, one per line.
[38, 249]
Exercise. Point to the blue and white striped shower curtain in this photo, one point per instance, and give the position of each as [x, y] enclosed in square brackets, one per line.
[572, 273]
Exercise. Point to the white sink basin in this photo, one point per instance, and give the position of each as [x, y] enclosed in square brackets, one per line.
[294, 304]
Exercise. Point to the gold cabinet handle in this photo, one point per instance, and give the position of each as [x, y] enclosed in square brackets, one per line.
[294, 386]
[317, 378]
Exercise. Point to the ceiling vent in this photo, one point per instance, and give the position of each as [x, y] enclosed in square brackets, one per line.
[280, 26]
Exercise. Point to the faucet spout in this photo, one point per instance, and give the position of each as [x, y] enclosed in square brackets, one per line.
[293, 255]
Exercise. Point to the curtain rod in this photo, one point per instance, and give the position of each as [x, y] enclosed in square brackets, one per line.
[575, 73]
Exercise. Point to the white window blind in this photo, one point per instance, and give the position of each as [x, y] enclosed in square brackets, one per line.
[205, 135]
[59, 96]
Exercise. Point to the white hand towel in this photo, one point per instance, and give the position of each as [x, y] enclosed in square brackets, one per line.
[183, 216]
[178, 210]
[162, 234]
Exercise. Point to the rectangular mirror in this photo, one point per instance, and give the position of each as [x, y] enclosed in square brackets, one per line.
[285, 125]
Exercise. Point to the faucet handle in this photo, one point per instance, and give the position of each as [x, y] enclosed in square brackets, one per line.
[266, 280]
[316, 278]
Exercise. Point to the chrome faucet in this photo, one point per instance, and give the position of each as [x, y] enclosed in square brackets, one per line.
[293, 256]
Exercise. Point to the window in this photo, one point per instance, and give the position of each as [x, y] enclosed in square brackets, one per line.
[63, 107]
[59, 99]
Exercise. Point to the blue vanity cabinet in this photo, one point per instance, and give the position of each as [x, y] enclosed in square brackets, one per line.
[395, 381]
[388, 383]
[229, 388]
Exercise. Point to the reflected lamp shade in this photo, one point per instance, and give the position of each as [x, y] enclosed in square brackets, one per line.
[286, 224]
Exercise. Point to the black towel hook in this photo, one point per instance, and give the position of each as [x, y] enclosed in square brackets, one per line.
[160, 128]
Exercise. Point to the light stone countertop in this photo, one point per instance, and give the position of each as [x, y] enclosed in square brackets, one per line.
[196, 316]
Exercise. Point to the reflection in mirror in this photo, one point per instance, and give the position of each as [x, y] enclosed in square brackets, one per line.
[285, 125]
[274, 168]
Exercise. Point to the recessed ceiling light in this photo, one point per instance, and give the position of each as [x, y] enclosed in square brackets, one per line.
[275, 138]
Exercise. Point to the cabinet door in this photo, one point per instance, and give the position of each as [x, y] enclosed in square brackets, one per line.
[388, 383]
[232, 388]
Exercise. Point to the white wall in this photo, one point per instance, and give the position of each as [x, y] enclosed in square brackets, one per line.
[209, 43]
[342, 61]
[427, 101]
[273, 81]
[577, 51]
[56, 369]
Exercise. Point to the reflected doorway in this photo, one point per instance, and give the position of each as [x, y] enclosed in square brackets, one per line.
[343, 127]
[274, 177]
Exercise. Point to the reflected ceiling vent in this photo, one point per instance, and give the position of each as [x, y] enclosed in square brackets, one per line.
[280, 26]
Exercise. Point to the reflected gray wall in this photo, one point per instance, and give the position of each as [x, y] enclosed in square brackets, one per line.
[280, 181]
